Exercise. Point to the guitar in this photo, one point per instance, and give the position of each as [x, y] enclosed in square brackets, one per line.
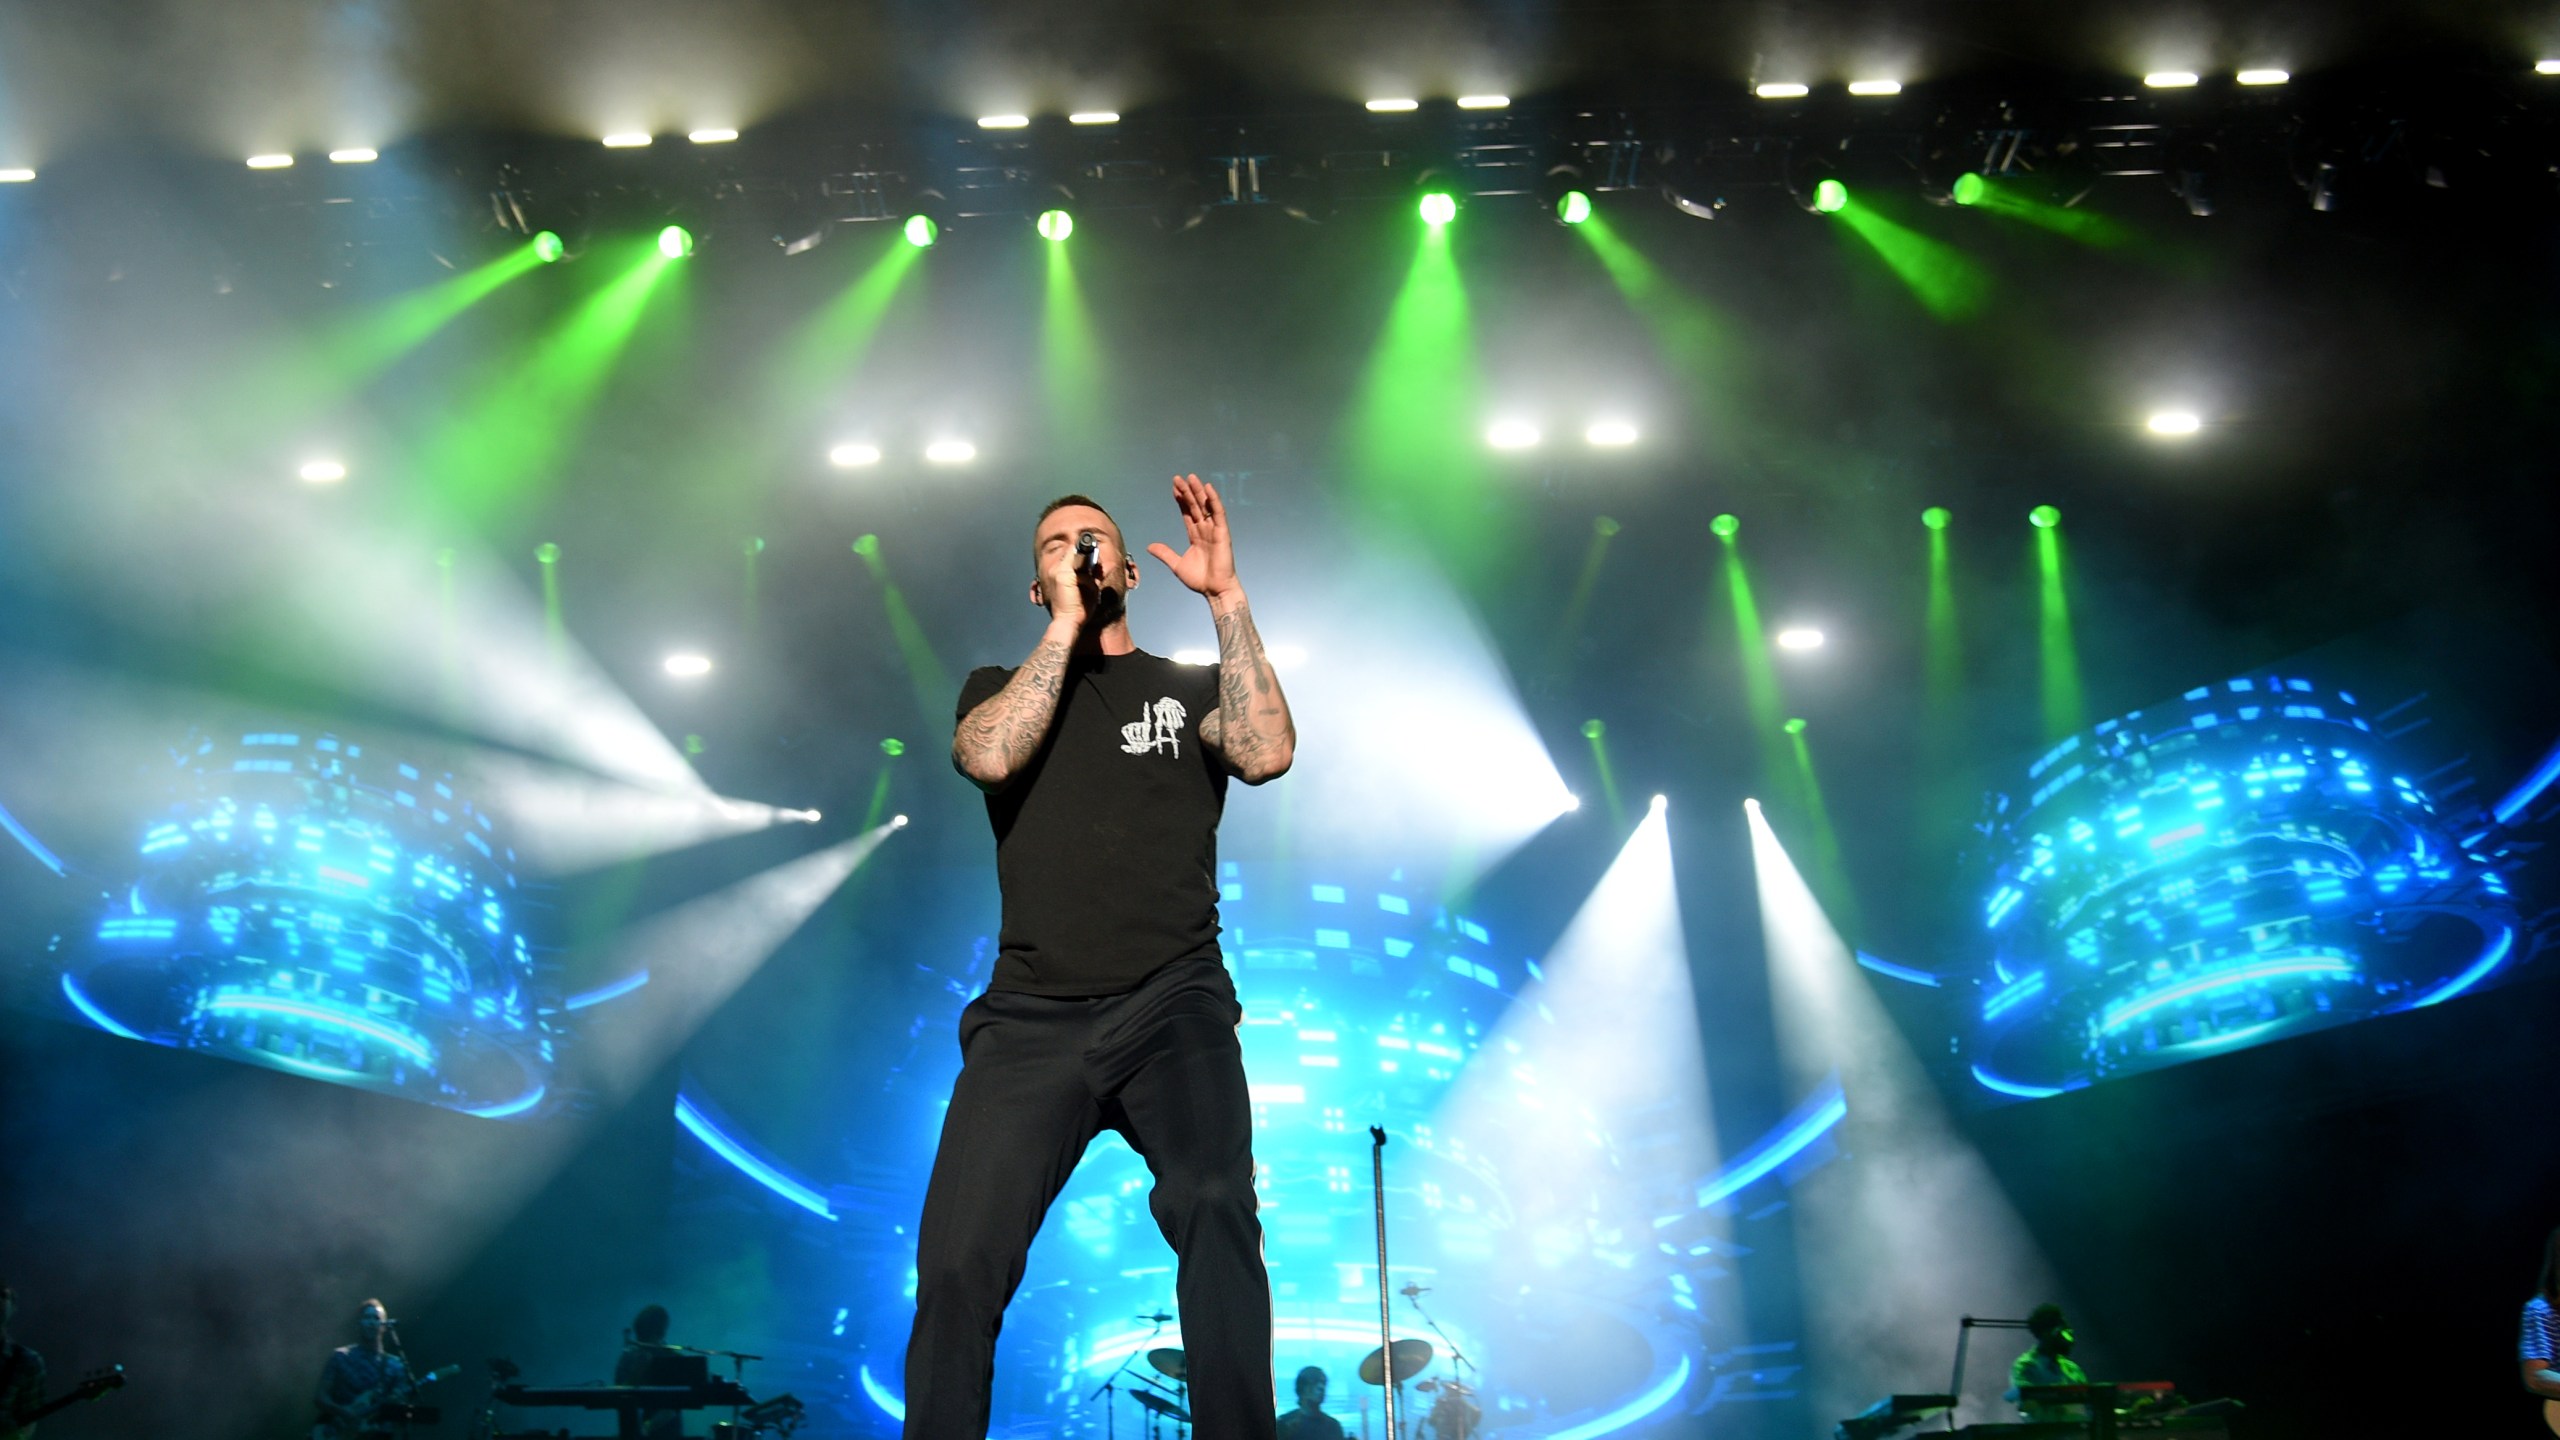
[364, 1406]
[2551, 1415]
[111, 1378]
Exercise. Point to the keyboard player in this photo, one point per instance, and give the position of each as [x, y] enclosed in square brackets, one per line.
[2047, 1362]
[647, 1359]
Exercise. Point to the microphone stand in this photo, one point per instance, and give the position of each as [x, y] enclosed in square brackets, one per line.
[1458, 1360]
[1386, 1304]
[1964, 1337]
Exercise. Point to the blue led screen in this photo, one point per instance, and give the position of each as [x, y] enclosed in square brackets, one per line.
[1365, 1003]
[2262, 855]
[301, 899]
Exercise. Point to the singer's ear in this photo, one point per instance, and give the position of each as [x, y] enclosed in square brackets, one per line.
[1035, 590]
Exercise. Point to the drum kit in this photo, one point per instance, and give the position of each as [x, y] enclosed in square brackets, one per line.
[1454, 1414]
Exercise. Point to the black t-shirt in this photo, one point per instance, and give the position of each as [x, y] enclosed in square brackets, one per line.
[1107, 843]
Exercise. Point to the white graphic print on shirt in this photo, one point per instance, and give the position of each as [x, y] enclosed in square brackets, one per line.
[1161, 730]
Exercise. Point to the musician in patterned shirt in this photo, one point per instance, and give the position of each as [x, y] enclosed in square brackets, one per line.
[2539, 1349]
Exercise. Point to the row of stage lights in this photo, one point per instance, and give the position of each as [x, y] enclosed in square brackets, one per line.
[1871, 88]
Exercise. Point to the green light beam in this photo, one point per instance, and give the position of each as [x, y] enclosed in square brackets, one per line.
[2004, 198]
[925, 672]
[1830, 878]
[750, 608]
[879, 807]
[810, 366]
[1070, 369]
[522, 424]
[1942, 765]
[1690, 335]
[555, 629]
[2064, 711]
[1759, 673]
[1411, 462]
[1578, 604]
[1945, 280]
[1597, 734]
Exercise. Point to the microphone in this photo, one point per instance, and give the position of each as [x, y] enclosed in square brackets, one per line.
[1089, 553]
[1410, 1290]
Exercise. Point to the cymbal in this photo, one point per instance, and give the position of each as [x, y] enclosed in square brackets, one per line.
[1168, 1362]
[1161, 1406]
[1412, 1356]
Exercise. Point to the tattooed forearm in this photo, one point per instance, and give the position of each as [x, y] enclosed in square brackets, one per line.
[1252, 726]
[994, 741]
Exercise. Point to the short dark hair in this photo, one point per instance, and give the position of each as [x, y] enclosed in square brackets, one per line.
[1087, 501]
[2045, 1319]
[1312, 1372]
[650, 1325]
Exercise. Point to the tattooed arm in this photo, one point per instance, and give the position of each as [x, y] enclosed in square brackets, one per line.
[999, 736]
[1251, 729]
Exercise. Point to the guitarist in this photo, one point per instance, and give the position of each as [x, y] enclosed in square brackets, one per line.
[2540, 1347]
[21, 1376]
[359, 1378]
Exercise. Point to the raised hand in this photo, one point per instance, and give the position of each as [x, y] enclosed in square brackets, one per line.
[1209, 565]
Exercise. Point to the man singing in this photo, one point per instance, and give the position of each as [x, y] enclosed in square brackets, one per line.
[1105, 770]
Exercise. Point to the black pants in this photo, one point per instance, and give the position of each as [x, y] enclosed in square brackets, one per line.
[1039, 1079]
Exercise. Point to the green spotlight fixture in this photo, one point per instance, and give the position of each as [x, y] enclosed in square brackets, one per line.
[1439, 207]
[547, 553]
[921, 232]
[2044, 517]
[1725, 526]
[866, 546]
[1830, 197]
[1593, 729]
[1969, 188]
[548, 248]
[1605, 526]
[1935, 517]
[1056, 225]
[1794, 725]
[1574, 207]
[675, 242]
[893, 746]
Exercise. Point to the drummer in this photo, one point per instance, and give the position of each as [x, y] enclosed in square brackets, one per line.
[1308, 1421]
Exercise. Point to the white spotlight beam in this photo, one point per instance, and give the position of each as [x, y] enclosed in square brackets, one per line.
[567, 822]
[1909, 1230]
[699, 953]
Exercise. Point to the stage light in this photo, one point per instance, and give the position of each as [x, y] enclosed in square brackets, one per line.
[1800, 637]
[1936, 517]
[1511, 435]
[628, 140]
[2546, 67]
[2174, 423]
[1483, 102]
[323, 472]
[1782, 90]
[2044, 517]
[866, 545]
[2263, 77]
[1056, 225]
[675, 242]
[1574, 207]
[1572, 801]
[270, 162]
[546, 553]
[1438, 207]
[1794, 725]
[893, 746]
[686, 665]
[950, 452]
[1660, 804]
[853, 456]
[1003, 122]
[548, 247]
[1593, 729]
[1875, 87]
[1094, 117]
[1725, 526]
[16, 175]
[897, 822]
[1395, 106]
[716, 136]
[1830, 197]
[2170, 79]
[921, 232]
[1610, 434]
[1969, 189]
[355, 155]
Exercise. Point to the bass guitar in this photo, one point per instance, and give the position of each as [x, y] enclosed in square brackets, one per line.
[111, 1378]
